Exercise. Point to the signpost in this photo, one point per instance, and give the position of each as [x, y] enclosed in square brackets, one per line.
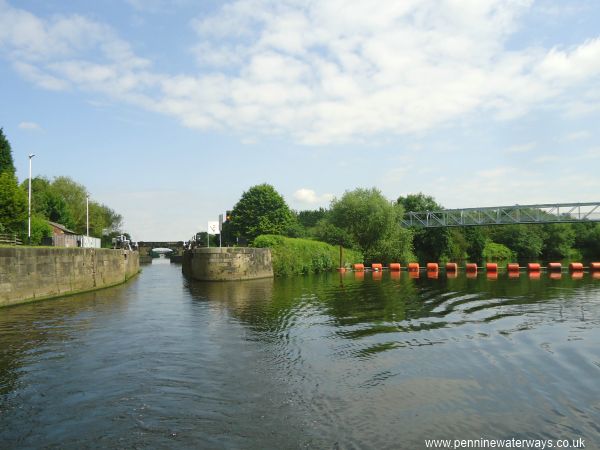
[213, 228]
[220, 228]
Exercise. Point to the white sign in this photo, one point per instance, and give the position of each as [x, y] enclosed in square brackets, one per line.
[213, 227]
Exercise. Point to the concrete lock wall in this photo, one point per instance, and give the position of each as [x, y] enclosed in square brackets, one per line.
[227, 264]
[28, 274]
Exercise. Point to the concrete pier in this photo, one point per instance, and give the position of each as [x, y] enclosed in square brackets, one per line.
[227, 264]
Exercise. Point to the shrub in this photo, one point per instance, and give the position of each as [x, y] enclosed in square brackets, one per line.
[293, 256]
[493, 252]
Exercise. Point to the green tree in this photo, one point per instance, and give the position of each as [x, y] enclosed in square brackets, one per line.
[475, 238]
[13, 204]
[74, 196]
[430, 244]
[559, 240]
[526, 240]
[46, 201]
[373, 224]
[6, 159]
[261, 210]
[587, 239]
[310, 218]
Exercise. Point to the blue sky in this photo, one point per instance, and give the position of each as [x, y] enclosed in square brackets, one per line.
[168, 110]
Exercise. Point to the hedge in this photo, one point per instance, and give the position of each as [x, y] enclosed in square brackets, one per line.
[292, 256]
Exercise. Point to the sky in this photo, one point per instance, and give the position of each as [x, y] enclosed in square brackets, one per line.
[167, 111]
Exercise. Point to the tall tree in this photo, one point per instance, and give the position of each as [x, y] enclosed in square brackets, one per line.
[431, 244]
[373, 223]
[13, 204]
[261, 210]
[6, 159]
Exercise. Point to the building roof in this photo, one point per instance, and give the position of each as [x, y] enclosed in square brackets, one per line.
[61, 227]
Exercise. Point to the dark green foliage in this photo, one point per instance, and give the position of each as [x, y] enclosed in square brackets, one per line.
[418, 202]
[587, 240]
[6, 159]
[261, 210]
[327, 232]
[475, 238]
[526, 240]
[310, 218]
[497, 253]
[430, 244]
[559, 240]
[302, 256]
[13, 204]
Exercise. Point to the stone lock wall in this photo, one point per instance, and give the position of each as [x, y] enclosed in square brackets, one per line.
[30, 273]
[227, 264]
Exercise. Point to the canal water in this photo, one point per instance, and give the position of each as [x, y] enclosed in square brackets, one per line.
[308, 362]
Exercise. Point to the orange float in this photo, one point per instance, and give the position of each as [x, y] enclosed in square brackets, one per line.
[394, 267]
[554, 266]
[376, 266]
[576, 267]
[359, 267]
[512, 267]
[491, 267]
[451, 267]
[595, 266]
[534, 267]
[432, 267]
[413, 267]
[471, 268]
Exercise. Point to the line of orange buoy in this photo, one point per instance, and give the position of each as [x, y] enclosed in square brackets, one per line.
[513, 269]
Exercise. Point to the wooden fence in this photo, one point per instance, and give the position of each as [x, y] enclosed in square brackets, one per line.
[10, 239]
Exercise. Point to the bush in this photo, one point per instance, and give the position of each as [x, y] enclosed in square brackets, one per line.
[498, 253]
[302, 256]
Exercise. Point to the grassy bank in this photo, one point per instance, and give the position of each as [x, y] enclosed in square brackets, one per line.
[302, 256]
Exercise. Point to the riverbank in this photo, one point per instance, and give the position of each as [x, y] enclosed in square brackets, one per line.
[293, 256]
[37, 273]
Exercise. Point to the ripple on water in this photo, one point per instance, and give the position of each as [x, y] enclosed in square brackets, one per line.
[325, 361]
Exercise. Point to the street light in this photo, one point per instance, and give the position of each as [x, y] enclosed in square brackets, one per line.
[87, 214]
[29, 215]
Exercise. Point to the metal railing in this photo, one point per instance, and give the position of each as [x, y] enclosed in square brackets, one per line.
[503, 215]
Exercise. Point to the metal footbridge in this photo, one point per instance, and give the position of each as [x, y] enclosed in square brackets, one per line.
[504, 215]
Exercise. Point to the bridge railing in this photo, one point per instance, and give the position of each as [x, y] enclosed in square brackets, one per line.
[503, 215]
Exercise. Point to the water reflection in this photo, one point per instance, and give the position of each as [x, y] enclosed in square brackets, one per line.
[354, 360]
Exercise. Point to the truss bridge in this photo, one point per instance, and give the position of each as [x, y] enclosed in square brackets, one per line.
[504, 215]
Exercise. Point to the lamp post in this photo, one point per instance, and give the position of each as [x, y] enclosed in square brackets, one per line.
[87, 215]
[29, 212]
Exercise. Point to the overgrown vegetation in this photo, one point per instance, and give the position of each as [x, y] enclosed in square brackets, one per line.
[61, 200]
[294, 256]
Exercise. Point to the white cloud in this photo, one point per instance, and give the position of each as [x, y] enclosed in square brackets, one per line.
[577, 135]
[319, 72]
[521, 148]
[310, 197]
[30, 126]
